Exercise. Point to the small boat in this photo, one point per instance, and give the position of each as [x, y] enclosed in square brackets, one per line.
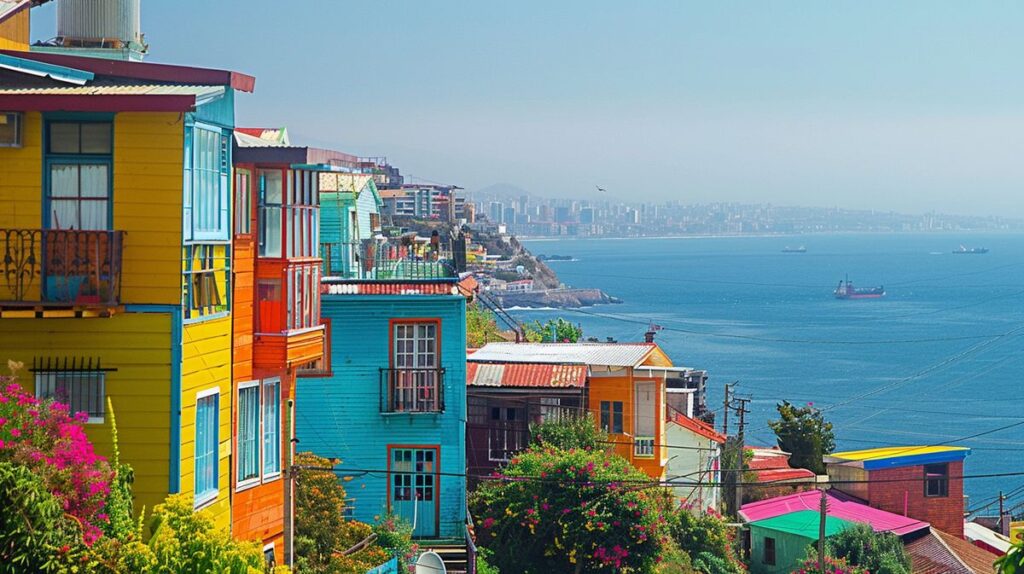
[800, 249]
[846, 290]
[969, 250]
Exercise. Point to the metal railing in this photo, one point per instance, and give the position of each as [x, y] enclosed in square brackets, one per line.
[409, 390]
[61, 267]
[385, 262]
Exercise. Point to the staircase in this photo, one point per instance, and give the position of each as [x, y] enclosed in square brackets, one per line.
[453, 554]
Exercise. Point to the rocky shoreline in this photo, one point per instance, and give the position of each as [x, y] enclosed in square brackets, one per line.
[555, 298]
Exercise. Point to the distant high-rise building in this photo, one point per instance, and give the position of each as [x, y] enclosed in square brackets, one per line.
[562, 215]
[509, 215]
[496, 212]
[587, 215]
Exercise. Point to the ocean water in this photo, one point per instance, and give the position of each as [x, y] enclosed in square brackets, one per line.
[938, 360]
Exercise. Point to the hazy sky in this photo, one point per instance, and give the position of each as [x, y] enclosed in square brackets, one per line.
[911, 106]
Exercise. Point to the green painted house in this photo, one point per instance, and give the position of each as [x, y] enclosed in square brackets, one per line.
[779, 544]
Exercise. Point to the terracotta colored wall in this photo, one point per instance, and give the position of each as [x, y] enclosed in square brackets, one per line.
[944, 513]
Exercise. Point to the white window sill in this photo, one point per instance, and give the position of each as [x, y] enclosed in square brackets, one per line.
[271, 476]
[247, 484]
[204, 500]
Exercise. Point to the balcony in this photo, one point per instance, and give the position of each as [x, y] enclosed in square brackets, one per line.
[385, 262]
[407, 390]
[60, 268]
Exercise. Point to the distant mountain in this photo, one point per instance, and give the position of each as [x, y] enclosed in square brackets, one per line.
[502, 191]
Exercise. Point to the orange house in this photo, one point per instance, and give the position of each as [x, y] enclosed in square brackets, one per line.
[625, 390]
[278, 333]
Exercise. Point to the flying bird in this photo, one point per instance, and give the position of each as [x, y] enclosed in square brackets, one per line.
[601, 189]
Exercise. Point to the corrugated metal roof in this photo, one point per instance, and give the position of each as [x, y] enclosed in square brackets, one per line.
[896, 456]
[696, 426]
[9, 8]
[804, 523]
[246, 140]
[978, 533]
[605, 354]
[525, 375]
[943, 553]
[839, 506]
[201, 92]
[441, 287]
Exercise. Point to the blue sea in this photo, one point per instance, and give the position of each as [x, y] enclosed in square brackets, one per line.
[938, 359]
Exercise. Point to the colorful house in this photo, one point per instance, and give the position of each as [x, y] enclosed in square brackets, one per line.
[351, 225]
[782, 528]
[924, 482]
[115, 235]
[504, 399]
[694, 460]
[391, 405]
[625, 390]
[278, 334]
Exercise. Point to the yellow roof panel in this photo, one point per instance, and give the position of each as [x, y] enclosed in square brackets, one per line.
[894, 451]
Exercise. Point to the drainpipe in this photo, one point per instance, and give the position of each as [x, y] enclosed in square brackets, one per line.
[289, 491]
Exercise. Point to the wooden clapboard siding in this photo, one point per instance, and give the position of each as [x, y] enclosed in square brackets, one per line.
[288, 349]
[621, 387]
[206, 364]
[138, 346]
[14, 32]
[242, 311]
[339, 416]
[21, 179]
[148, 164]
[258, 512]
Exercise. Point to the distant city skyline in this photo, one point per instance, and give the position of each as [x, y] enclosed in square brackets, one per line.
[911, 107]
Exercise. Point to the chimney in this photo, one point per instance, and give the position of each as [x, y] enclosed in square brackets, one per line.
[649, 337]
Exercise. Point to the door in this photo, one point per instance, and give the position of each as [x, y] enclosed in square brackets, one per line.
[414, 488]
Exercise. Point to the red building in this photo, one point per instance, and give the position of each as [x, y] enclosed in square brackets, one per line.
[922, 482]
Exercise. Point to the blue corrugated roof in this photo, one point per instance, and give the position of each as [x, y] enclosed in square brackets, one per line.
[42, 69]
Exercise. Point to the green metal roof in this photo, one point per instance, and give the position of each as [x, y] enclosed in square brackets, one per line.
[804, 523]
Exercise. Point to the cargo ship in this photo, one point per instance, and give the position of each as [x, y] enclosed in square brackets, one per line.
[846, 290]
[969, 250]
[800, 249]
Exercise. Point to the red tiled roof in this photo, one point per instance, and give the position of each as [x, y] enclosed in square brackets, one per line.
[942, 553]
[525, 375]
[697, 426]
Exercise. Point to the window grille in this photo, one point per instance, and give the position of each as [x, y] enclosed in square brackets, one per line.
[77, 382]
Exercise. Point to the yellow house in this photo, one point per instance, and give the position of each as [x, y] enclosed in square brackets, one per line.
[115, 233]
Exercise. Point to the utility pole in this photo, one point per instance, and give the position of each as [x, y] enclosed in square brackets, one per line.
[741, 410]
[1001, 530]
[821, 533]
[725, 410]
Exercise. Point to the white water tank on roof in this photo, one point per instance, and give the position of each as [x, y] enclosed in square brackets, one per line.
[92, 21]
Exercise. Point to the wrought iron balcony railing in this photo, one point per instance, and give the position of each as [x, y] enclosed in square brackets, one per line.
[54, 267]
[408, 390]
[384, 262]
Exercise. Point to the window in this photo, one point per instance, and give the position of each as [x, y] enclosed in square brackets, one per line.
[243, 202]
[611, 416]
[643, 419]
[78, 166]
[271, 201]
[303, 296]
[271, 427]
[269, 313]
[505, 433]
[206, 183]
[415, 376]
[303, 229]
[248, 432]
[769, 551]
[10, 129]
[81, 390]
[269, 560]
[206, 280]
[207, 420]
[936, 482]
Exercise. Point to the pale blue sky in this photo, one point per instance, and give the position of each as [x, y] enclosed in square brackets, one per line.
[912, 106]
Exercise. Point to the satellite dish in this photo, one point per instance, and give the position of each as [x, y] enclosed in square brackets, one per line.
[430, 563]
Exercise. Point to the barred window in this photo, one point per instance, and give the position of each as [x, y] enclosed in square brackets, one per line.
[78, 383]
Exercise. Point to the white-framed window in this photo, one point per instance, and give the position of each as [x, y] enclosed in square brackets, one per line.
[271, 427]
[415, 376]
[271, 182]
[206, 447]
[82, 391]
[243, 202]
[644, 414]
[248, 466]
[207, 172]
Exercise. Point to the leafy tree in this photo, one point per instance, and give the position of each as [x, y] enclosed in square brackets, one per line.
[832, 566]
[481, 326]
[564, 331]
[568, 433]
[708, 541]
[1013, 561]
[576, 510]
[803, 432]
[35, 534]
[878, 552]
[325, 542]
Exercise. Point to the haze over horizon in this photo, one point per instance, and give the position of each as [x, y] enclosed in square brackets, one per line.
[910, 107]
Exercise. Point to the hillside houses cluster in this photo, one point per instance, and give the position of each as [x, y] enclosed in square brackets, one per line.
[235, 297]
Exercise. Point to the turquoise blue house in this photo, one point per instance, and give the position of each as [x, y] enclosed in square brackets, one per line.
[350, 223]
[391, 404]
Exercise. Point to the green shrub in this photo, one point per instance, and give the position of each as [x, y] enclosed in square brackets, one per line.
[568, 433]
[878, 552]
